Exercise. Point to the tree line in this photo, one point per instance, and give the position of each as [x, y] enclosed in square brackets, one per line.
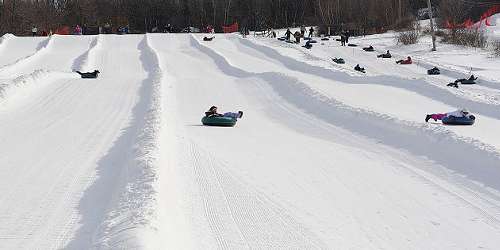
[18, 16]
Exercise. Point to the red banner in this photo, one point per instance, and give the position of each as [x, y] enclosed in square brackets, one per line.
[230, 29]
[65, 30]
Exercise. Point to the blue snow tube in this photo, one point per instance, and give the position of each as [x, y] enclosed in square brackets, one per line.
[451, 120]
[218, 121]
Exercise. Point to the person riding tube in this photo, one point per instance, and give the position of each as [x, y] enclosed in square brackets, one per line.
[459, 117]
[405, 62]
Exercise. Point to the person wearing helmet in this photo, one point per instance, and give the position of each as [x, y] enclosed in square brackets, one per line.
[459, 113]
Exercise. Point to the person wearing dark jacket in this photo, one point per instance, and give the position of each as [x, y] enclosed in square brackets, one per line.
[369, 49]
[358, 68]
[311, 31]
[288, 33]
[434, 71]
[386, 55]
[297, 36]
[213, 112]
[89, 74]
[308, 45]
[472, 80]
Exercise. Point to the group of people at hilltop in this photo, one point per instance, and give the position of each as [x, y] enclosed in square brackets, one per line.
[344, 38]
[80, 30]
[299, 34]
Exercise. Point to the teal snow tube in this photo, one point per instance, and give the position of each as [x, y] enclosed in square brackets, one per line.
[218, 121]
[451, 120]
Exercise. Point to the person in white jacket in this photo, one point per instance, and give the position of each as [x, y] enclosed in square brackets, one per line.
[34, 31]
[459, 113]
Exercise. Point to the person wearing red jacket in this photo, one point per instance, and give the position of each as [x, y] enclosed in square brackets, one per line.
[407, 61]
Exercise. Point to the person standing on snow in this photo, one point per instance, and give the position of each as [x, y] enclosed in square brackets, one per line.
[297, 36]
[302, 30]
[288, 33]
[78, 30]
[34, 30]
[311, 31]
[458, 114]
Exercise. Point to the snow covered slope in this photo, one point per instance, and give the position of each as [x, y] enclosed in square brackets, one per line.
[14, 48]
[323, 157]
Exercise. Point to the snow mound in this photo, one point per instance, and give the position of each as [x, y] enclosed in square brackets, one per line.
[6, 37]
[130, 221]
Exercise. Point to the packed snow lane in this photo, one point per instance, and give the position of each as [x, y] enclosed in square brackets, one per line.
[284, 178]
[370, 92]
[57, 53]
[65, 149]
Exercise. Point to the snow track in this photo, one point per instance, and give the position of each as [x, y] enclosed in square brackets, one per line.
[383, 128]
[427, 96]
[236, 215]
[264, 91]
[321, 158]
[71, 131]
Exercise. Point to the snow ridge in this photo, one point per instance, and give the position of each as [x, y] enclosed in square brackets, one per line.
[86, 61]
[389, 130]
[5, 39]
[43, 47]
[130, 221]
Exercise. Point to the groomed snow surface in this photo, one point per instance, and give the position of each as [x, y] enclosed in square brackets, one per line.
[323, 158]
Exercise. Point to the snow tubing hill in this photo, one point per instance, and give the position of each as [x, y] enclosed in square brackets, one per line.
[218, 121]
[451, 120]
